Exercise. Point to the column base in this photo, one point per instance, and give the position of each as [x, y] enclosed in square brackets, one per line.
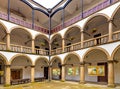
[111, 85]
[7, 85]
[62, 80]
[82, 82]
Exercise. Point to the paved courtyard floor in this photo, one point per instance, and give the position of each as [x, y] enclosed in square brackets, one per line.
[58, 85]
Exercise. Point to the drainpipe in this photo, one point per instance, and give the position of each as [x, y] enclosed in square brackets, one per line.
[81, 2]
[49, 75]
[8, 10]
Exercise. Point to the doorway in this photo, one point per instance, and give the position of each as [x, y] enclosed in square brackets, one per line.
[103, 78]
[98, 40]
[46, 72]
[16, 74]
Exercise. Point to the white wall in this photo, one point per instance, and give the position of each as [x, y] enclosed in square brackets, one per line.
[117, 72]
[88, 77]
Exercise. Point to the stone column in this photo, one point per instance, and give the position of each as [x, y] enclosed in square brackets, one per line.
[82, 73]
[8, 41]
[110, 30]
[82, 39]
[50, 73]
[63, 44]
[111, 73]
[7, 75]
[63, 73]
[33, 46]
[32, 73]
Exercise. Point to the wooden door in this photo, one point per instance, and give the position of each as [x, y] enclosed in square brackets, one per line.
[16, 74]
[103, 78]
[46, 72]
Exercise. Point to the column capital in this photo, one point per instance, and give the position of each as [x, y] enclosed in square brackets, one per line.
[110, 61]
[110, 20]
[7, 65]
[82, 63]
[8, 33]
[63, 38]
[33, 39]
[32, 66]
[63, 65]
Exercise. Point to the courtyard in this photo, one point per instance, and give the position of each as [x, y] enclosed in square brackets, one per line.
[58, 85]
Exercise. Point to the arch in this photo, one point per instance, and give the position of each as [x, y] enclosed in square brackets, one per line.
[4, 59]
[41, 58]
[55, 57]
[17, 55]
[52, 38]
[114, 51]
[42, 35]
[115, 11]
[22, 29]
[6, 30]
[98, 48]
[70, 29]
[73, 53]
[98, 14]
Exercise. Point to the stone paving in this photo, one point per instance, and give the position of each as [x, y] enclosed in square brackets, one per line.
[58, 85]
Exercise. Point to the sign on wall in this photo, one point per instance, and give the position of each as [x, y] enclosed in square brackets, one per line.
[73, 71]
[96, 70]
[56, 71]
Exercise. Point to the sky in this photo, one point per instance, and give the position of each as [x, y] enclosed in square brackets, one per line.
[48, 3]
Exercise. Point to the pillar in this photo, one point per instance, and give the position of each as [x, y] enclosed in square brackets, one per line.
[82, 73]
[63, 45]
[7, 75]
[8, 41]
[82, 39]
[63, 73]
[110, 30]
[32, 73]
[50, 73]
[111, 73]
[33, 46]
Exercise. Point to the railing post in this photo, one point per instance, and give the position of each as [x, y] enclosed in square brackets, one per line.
[110, 30]
[33, 46]
[8, 41]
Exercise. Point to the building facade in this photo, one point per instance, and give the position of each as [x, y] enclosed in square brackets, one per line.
[66, 52]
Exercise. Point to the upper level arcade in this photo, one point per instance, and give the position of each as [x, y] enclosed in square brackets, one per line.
[86, 30]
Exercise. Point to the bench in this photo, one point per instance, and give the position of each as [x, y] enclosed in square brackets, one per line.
[40, 79]
[19, 81]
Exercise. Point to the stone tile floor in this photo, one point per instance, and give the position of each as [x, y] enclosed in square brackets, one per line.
[58, 85]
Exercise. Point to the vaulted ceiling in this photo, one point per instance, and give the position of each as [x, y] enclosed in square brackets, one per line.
[24, 11]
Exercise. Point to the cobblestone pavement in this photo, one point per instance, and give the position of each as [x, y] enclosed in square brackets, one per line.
[58, 85]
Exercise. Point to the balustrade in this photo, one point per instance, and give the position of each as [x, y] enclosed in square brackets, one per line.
[41, 52]
[56, 51]
[116, 36]
[2, 46]
[96, 41]
[18, 48]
